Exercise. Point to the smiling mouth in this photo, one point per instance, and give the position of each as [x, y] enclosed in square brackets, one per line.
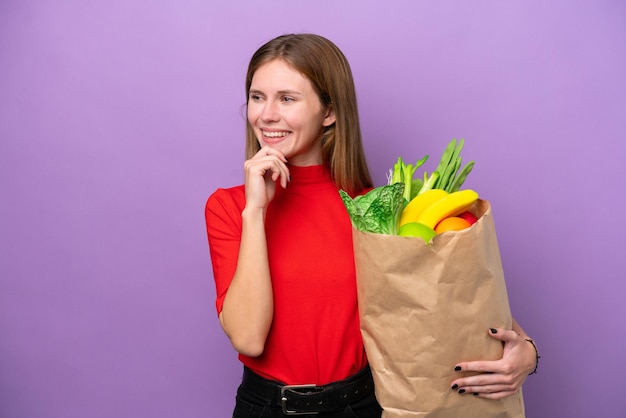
[276, 134]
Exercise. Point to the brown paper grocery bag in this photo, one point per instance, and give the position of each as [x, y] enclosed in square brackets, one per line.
[424, 309]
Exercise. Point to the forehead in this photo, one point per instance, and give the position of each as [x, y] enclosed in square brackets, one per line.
[278, 74]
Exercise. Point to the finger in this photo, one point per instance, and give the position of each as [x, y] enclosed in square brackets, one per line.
[501, 334]
[268, 151]
[483, 389]
[483, 380]
[478, 366]
[271, 154]
[485, 385]
[272, 172]
[260, 180]
[494, 395]
[505, 335]
[267, 166]
[282, 173]
[492, 392]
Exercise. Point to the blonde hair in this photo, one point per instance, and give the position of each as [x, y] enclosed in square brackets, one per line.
[323, 63]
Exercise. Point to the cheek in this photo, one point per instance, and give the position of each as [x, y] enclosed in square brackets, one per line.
[250, 115]
[253, 112]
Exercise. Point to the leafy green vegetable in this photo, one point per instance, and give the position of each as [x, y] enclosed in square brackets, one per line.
[416, 186]
[458, 181]
[429, 182]
[449, 166]
[403, 173]
[377, 211]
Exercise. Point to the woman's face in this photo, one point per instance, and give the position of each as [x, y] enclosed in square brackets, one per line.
[286, 113]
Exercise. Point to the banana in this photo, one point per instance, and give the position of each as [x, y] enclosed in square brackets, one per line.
[420, 202]
[452, 204]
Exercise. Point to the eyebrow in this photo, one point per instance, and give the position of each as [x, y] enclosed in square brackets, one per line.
[288, 92]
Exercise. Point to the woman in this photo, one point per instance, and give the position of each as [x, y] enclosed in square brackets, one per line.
[281, 245]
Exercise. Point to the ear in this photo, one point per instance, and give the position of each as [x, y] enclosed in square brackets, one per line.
[329, 119]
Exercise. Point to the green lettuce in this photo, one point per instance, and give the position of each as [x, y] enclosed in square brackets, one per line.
[378, 211]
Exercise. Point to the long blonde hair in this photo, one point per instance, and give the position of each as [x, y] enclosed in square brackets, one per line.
[323, 63]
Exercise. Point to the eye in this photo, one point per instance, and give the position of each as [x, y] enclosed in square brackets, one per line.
[288, 99]
[255, 97]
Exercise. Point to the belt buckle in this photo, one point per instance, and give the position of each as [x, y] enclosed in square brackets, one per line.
[283, 399]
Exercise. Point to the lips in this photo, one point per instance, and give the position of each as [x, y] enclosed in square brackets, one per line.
[274, 134]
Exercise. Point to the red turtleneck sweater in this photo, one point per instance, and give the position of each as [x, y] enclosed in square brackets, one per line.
[315, 335]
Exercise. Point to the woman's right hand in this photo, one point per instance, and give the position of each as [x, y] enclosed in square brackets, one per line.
[262, 171]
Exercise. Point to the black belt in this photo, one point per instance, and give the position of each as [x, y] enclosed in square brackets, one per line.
[310, 399]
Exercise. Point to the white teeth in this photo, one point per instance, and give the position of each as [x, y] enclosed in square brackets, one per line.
[274, 134]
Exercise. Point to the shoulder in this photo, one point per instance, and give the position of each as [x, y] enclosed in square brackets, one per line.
[222, 200]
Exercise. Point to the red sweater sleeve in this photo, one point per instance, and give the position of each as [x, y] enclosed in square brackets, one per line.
[223, 223]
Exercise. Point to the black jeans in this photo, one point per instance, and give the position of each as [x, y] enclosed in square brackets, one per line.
[248, 405]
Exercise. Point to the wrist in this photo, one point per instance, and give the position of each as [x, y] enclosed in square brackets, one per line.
[537, 356]
[251, 213]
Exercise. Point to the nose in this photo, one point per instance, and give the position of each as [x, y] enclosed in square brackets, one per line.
[269, 113]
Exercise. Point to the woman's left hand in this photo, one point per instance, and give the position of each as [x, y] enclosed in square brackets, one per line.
[499, 378]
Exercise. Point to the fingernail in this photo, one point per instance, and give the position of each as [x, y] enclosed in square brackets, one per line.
[475, 393]
[457, 369]
[461, 390]
[493, 330]
[455, 386]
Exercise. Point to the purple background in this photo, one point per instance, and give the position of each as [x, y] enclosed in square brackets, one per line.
[118, 118]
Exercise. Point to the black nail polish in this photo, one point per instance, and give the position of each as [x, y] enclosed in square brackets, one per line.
[461, 391]
[475, 393]
[493, 330]
[457, 369]
[455, 386]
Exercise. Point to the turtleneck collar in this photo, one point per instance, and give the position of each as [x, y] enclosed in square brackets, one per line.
[313, 174]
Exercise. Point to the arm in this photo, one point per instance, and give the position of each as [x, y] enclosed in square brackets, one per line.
[504, 377]
[247, 312]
